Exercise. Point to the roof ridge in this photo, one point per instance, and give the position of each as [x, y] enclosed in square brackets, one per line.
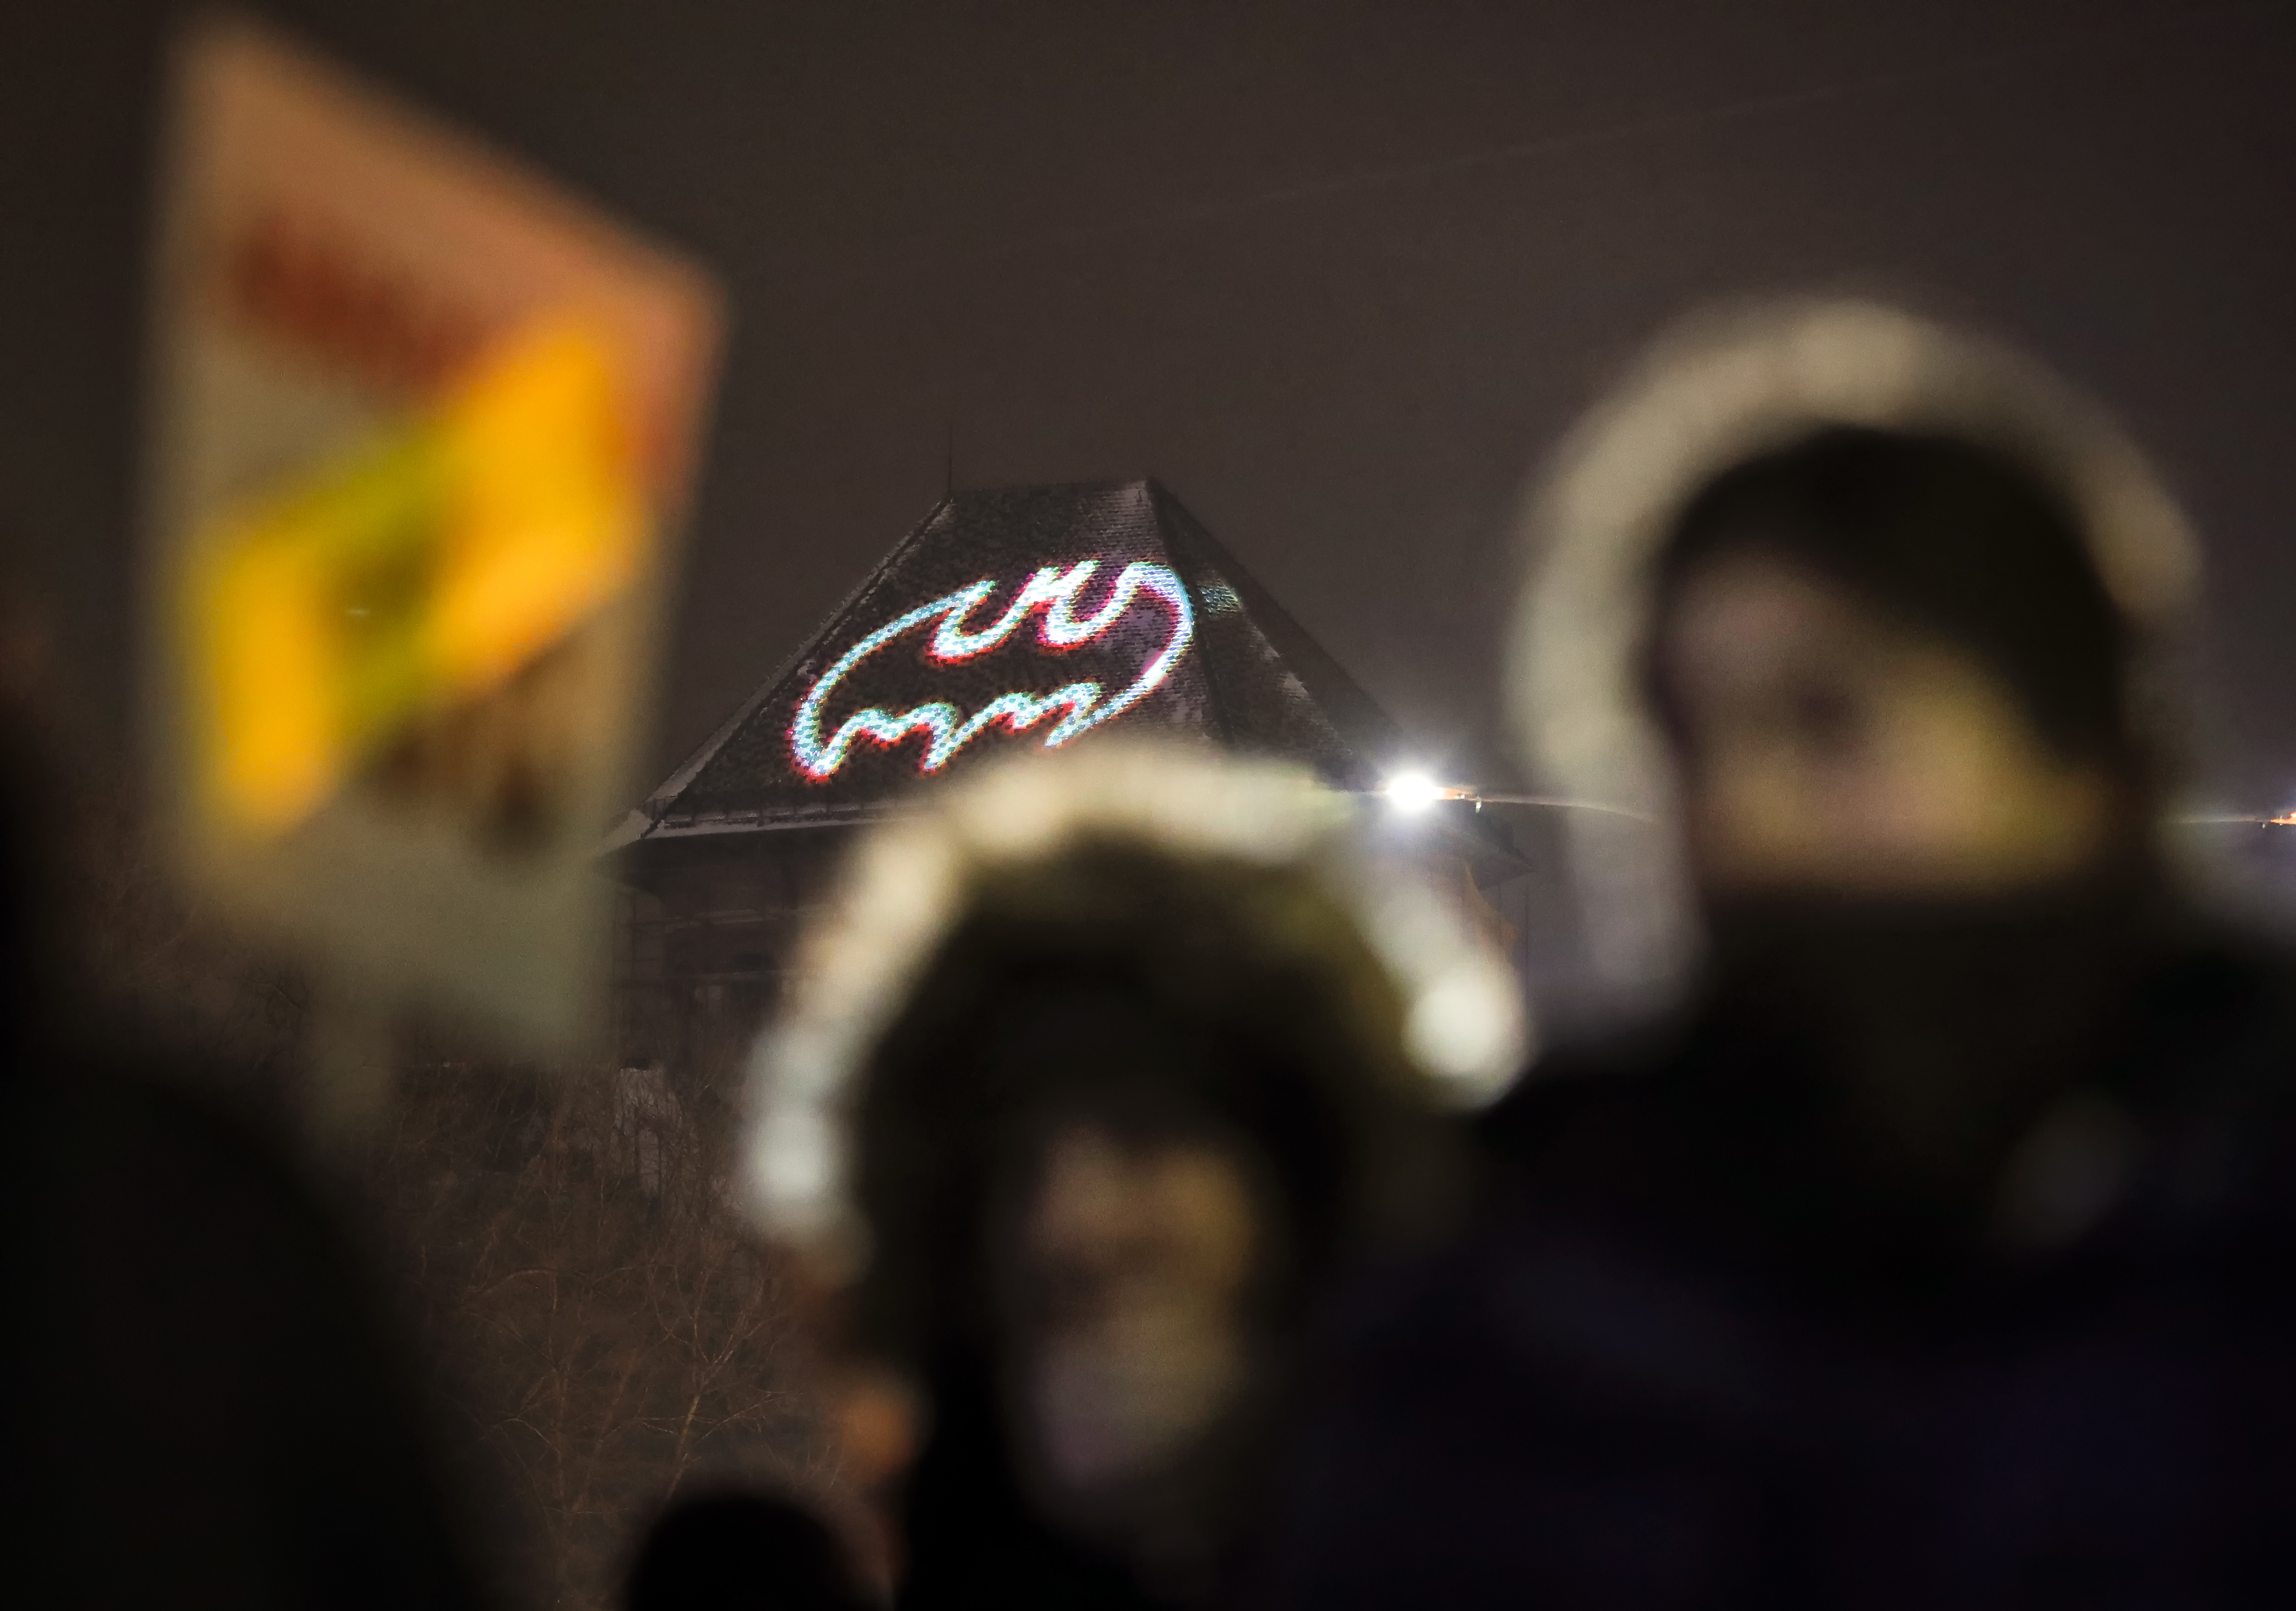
[675, 783]
[1304, 655]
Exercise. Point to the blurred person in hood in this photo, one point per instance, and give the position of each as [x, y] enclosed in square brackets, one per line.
[1105, 1069]
[1934, 1242]
[201, 1400]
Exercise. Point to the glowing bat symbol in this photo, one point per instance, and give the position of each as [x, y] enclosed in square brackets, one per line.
[1052, 590]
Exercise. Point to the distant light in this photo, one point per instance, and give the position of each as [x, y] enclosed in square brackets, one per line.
[1413, 791]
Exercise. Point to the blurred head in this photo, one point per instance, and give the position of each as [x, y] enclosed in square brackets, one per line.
[741, 1552]
[1887, 668]
[1101, 1070]
[1896, 692]
[1866, 619]
[1112, 1147]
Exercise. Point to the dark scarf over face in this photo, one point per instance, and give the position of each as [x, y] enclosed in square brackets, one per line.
[1930, 1033]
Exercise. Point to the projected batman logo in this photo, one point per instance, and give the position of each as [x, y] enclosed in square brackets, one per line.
[1053, 594]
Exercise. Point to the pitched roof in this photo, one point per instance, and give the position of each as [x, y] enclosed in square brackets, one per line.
[1024, 616]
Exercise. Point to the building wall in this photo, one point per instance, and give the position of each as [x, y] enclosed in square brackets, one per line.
[705, 936]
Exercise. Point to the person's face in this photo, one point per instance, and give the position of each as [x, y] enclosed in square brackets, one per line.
[1128, 1300]
[1822, 749]
[1140, 1256]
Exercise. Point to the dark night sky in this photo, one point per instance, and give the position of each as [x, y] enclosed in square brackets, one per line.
[1336, 273]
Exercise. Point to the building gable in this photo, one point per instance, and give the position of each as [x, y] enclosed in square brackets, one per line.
[1025, 617]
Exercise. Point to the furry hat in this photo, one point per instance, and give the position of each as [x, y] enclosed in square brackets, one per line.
[1721, 390]
[1457, 1029]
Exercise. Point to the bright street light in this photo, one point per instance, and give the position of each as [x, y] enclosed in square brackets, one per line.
[1416, 792]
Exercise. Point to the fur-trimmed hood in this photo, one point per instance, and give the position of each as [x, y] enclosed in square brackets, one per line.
[1720, 390]
[915, 880]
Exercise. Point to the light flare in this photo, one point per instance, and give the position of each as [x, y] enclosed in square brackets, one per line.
[1416, 791]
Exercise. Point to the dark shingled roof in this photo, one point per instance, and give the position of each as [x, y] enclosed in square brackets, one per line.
[1248, 679]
